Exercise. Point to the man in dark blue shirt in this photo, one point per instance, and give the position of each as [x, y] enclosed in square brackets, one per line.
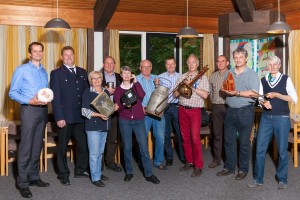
[27, 80]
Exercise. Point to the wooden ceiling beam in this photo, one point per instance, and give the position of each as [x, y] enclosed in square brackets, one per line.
[103, 12]
[245, 9]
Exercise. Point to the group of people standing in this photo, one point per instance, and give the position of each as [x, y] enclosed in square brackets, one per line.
[74, 90]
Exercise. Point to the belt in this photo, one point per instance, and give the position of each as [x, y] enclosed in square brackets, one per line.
[38, 106]
[187, 107]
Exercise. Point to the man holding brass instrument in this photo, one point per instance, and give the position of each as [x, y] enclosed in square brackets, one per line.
[148, 82]
[239, 116]
[190, 114]
[171, 113]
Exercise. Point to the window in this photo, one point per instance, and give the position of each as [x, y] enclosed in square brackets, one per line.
[137, 46]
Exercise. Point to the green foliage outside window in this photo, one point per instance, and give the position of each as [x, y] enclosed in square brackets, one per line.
[130, 52]
[161, 48]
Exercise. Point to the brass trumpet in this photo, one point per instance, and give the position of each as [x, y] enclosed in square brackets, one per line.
[183, 89]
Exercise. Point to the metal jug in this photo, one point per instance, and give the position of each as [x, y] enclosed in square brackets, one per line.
[157, 103]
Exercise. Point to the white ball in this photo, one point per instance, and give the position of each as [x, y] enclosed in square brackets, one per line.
[45, 95]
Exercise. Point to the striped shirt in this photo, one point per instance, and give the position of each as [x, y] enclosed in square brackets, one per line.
[148, 86]
[215, 85]
[86, 112]
[195, 100]
[169, 81]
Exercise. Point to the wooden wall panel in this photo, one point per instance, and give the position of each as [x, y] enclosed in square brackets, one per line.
[160, 23]
[34, 16]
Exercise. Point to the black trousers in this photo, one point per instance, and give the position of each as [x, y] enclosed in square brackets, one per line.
[64, 135]
[33, 123]
[111, 141]
[218, 116]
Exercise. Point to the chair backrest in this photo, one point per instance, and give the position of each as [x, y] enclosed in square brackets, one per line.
[51, 127]
[297, 132]
[14, 129]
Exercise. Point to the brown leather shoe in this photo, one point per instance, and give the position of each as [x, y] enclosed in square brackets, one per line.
[225, 172]
[187, 167]
[197, 172]
[214, 164]
[241, 175]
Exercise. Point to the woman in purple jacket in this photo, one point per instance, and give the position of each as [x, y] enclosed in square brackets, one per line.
[131, 118]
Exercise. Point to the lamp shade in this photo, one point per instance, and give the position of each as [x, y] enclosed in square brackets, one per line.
[279, 27]
[187, 32]
[57, 23]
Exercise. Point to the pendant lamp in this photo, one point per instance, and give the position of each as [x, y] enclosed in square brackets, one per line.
[187, 31]
[57, 23]
[279, 27]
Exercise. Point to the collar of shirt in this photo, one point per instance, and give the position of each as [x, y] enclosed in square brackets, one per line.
[92, 89]
[71, 67]
[276, 77]
[33, 65]
[107, 74]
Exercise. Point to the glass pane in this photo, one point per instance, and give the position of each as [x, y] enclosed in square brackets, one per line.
[130, 51]
[191, 46]
[162, 46]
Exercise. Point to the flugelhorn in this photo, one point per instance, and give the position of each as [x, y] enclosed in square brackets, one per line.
[184, 89]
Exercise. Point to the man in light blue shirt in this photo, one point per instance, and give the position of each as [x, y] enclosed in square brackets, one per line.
[148, 81]
[168, 79]
[27, 80]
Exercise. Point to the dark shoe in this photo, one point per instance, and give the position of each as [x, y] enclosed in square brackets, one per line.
[161, 167]
[38, 183]
[25, 192]
[241, 175]
[197, 172]
[128, 177]
[104, 178]
[187, 167]
[254, 184]
[214, 164]
[98, 183]
[225, 172]
[153, 179]
[282, 185]
[169, 162]
[65, 181]
[82, 175]
[114, 167]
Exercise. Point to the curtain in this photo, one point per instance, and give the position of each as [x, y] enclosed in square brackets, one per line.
[294, 66]
[208, 53]
[208, 59]
[14, 41]
[114, 48]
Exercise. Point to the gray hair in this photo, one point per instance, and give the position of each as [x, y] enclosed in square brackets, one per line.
[240, 50]
[274, 59]
[126, 68]
[92, 73]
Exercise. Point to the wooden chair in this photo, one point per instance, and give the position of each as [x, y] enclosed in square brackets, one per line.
[50, 141]
[294, 137]
[10, 138]
[205, 132]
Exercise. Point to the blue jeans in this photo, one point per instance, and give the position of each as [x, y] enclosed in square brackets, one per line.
[280, 127]
[158, 126]
[171, 118]
[96, 143]
[238, 120]
[138, 126]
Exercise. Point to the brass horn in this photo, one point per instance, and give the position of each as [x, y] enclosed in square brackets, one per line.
[185, 90]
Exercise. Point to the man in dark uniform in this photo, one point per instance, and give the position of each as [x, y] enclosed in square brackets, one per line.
[109, 75]
[68, 83]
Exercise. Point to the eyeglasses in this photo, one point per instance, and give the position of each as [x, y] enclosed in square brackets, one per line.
[98, 78]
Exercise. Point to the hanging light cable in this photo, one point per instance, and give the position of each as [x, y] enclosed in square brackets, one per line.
[187, 31]
[57, 23]
[279, 27]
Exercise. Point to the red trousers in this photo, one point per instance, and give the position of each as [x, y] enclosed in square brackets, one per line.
[190, 123]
